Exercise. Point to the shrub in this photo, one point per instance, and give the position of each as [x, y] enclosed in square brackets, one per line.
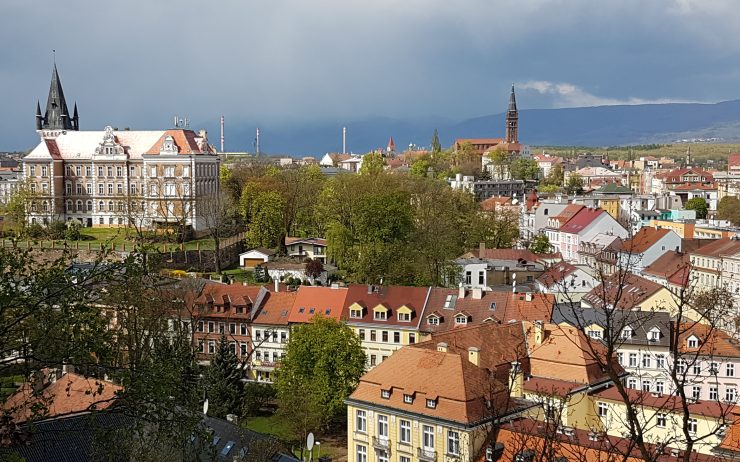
[35, 231]
[56, 230]
[72, 233]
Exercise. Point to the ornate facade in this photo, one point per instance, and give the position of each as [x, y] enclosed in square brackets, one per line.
[117, 178]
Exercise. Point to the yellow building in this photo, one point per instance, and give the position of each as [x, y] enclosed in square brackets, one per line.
[439, 400]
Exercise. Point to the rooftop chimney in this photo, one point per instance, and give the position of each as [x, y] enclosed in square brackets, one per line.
[477, 293]
[539, 332]
[481, 249]
[516, 380]
[461, 291]
[528, 296]
[474, 355]
[442, 346]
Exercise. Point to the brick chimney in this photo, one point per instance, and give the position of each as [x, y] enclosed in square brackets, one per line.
[539, 332]
[516, 380]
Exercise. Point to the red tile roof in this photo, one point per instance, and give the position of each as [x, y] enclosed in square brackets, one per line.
[185, 140]
[72, 393]
[581, 220]
[668, 402]
[645, 238]
[556, 274]
[568, 212]
[733, 160]
[276, 308]
[310, 301]
[669, 264]
[624, 291]
[221, 300]
[718, 248]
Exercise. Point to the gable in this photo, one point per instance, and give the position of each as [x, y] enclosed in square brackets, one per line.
[405, 310]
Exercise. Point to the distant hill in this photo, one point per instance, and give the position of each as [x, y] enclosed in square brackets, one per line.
[585, 126]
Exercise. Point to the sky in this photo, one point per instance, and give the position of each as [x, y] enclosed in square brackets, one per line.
[138, 63]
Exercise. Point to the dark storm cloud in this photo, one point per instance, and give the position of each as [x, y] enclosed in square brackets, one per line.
[139, 62]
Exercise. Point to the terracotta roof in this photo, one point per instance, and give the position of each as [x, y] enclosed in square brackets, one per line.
[731, 441]
[493, 306]
[626, 291]
[458, 386]
[718, 248]
[568, 212]
[502, 254]
[492, 203]
[669, 264]
[714, 342]
[276, 308]
[310, 301]
[733, 160]
[69, 394]
[556, 274]
[581, 220]
[185, 140]
[668, 402]
[222, 298]
[392, 297]
[696, 186]
[564, 354]
[645, 238]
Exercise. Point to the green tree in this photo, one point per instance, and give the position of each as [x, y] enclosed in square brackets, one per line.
[524, 169]
[574, 184]
[264, 212]
[699, 205]
[501, 161]
[223, 382]
[555, 177]
[256, 396]
[499, 230]
[372, 164]
[322, 366]
[540, 244]
[729, 209]
[436, 146]
[17, 208]
[466, 160]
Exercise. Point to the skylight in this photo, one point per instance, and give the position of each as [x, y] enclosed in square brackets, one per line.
[227, 448]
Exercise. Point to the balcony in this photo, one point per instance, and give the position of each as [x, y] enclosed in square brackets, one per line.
[426, 455]
[383, 444]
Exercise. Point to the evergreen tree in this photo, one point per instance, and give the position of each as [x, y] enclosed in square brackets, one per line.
[223, 382]
[436, 146]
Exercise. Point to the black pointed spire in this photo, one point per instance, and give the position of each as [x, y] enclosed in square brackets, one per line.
[512, 119]
[57, 113]
[39, 117]
[76, 118]
[512, 99]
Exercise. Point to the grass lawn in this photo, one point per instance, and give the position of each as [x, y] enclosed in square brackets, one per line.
[335, 446]
[241, 275]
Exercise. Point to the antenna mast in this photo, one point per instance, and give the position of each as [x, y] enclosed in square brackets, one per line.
[222, 133]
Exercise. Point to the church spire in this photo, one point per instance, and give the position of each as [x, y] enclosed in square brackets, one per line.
[39, 117]
[57, 114]
[512, 119]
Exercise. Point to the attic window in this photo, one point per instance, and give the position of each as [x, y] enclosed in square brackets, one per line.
[627, 333]
[380, 315]
[654, 334]
[461, 319]
[385, 394]
[693, 342]
[311, 310]
[492, 306]
[327, 311]
[355, 312]
[408, 399]
[404, 317]
[432, 403]
[168, 146]
[448, 301]
[433, 320]
[301, 309]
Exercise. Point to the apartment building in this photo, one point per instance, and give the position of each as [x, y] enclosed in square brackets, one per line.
[385, 317]
[270, 333]
[306, 247]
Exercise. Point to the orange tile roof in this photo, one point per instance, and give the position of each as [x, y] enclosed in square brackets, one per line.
[221, 300]
[645, 238]
[569, 212]
[185, 140]
[712, 341]
[731, 441]
[718, 248]
[492, 203]
[310, 301]
[556, 274]
[392, 297]
[668, 264]
[72, 393]
[276, 308]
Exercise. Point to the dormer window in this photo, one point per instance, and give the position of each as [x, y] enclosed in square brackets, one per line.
[432, 403]
[654, 334]
[692, 342]
[461, 319]
[433, 321]
[408, 399]
[404, 314]
[627, 333]
[356, 311]
[385, 394]
[168, 146]
[380, 316]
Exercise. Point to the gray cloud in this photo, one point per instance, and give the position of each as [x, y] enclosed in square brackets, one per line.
[137, 63]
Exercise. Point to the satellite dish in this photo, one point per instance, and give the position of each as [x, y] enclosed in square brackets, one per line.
[309, 441]
[205, 407]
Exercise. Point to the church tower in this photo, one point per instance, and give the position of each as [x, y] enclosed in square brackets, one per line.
[512, 120]
[57, 115]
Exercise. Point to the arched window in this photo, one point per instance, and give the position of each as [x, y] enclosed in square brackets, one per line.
[101, 206]
[79, 206]
[110, 206]
[69, 206]
[89, 206]
[45, 206]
